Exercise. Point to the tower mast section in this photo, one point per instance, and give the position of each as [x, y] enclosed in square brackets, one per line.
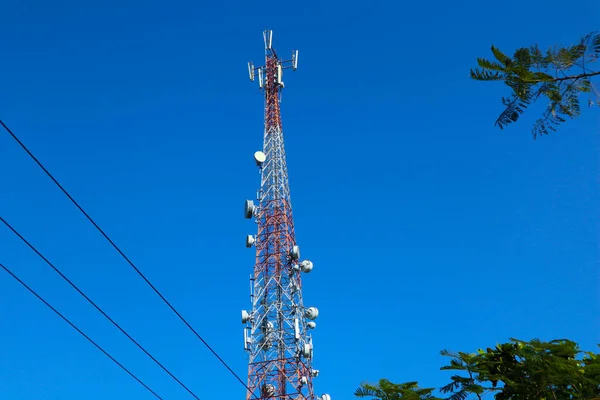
[276, 332]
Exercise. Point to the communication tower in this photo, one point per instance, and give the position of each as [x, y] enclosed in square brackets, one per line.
[276, 332]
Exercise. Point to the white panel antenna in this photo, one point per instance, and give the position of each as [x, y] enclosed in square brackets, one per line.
[251, 70]
[268, 36]
[295, 60]
[260, 78]
[294, 287]
[249, 209]
[279, 74]
[297, 328]
[307, 350]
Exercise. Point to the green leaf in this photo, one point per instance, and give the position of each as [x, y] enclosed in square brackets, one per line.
[483, 75]
[503, 58]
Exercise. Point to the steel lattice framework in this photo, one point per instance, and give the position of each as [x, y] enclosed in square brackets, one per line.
[276, 333]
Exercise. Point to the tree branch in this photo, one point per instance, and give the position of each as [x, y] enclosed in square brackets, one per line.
[473, 380]
[566, 78]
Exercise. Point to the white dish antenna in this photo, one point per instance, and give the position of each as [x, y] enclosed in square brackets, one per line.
[249, 209]
[311, 313]
[306, 266]
[245, 316]
[268, 390]
[311, 325]
[260, 158]
[325, 397]
[295, 253]
[250, 241]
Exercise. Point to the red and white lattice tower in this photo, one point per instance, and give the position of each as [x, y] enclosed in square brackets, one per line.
[276, 333]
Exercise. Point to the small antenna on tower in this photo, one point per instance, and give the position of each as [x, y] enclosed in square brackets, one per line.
[251, 70]
[268, 36]
[279, 74]
[295, 60]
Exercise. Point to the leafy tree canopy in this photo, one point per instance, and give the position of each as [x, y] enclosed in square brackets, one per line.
[517, 370]
[559, 74]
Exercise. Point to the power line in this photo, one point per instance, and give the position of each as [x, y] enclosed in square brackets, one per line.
[113, 244]
[79, 330]
[32, 247]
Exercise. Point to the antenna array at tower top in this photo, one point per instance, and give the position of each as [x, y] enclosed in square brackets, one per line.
[281, 64]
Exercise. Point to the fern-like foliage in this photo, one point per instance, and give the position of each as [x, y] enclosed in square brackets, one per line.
[461, 387]
[386, 390]
[559, 74]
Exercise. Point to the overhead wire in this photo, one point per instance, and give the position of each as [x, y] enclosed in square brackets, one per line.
[79, 330]
[118, 249]
[123, 331]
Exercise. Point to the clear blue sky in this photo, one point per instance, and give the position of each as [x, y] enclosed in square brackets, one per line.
[429, 228]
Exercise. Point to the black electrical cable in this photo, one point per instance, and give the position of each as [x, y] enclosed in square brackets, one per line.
[79, 330]
[32, 247]
[34, 158]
